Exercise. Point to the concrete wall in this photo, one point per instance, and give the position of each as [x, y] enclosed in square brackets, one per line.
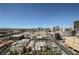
[72, 42]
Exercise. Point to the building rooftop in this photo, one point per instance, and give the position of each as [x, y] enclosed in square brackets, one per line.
[16, 35]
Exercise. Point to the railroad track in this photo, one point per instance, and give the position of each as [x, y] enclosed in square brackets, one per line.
[62, 47]
[2, 50]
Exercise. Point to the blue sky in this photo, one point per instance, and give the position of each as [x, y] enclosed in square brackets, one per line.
[38, 15]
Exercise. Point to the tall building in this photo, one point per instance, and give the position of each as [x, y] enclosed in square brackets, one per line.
[76, 26]
[56, 28]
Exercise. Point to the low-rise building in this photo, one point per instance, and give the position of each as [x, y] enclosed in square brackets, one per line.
[38, 45]
[16, 37]
[18, 47]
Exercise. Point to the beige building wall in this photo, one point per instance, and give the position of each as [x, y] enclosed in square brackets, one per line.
[72, 42]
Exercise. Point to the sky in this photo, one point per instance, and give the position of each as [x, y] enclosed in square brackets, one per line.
[29, 15]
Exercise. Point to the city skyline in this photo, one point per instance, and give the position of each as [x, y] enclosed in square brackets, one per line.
[38, 15]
